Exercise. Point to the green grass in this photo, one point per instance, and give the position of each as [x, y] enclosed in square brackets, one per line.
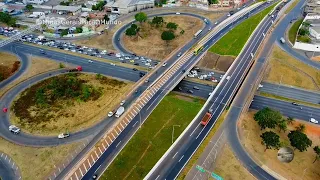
[154, 138]
[202, 147]
[232, 43]
[291, 6]
[288, 99]
[294, 30]
[304, 39]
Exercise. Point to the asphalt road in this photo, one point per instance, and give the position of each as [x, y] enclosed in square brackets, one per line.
[240, 101]
[7, 169]
[24, 63]
[291, 92]
[178, 156]
[302, 112]
[119, 142]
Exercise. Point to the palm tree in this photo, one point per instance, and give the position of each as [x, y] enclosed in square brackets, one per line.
[290, 120]
[301, 128]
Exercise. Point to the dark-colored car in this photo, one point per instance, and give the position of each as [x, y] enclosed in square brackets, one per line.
[190, 91]
[135, 69]
[196, 88]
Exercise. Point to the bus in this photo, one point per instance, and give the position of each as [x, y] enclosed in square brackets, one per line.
[198, 49]
[197, 33]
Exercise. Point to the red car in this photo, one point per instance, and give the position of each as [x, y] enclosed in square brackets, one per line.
[5, 110]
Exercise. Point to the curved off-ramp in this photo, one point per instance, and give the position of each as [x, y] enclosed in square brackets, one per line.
[8, 168]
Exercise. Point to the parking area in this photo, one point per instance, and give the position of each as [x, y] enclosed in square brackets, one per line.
[68, 46]
[8, 31]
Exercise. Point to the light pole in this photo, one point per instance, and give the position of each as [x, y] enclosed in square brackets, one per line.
[140, 119]
[173, 131]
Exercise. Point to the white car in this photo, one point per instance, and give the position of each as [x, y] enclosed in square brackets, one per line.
[228, 77]
[164, 64]
[110, 114]
[14, 129]
[177, 13]
[216, 22]
[229, 15]
[112, 64]
[179, 54]
[313, 120]
[122, 102]
[63, 135]
[90, 61]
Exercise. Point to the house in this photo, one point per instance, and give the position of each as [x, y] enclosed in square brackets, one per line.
[34, 1]
[67, 9]
[127, 6]
[315, 32]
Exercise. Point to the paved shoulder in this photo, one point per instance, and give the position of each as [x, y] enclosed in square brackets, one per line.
[8, 169]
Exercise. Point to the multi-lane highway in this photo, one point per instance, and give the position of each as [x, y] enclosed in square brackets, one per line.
[178, 155]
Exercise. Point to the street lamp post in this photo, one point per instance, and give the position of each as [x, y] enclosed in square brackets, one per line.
[173, 132]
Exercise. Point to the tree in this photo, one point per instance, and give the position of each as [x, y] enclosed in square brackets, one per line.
[303, 31]
[83, 5]
[167, 36]
[213, 1]
[134, 26]
[158, 21]
[106, 18]
[299, 140]
[131, 32]
[29, 7]
[267, 118]
[43, 27]
[270, 140]
[290, 120]
[64, 32]
[62, 3]
[316, 149]
[172, 25]
[282, 126]
[306, 24]
[301, 128]
[141, 17]
[79, 30]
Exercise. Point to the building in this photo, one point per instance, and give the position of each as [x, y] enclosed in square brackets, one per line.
[127, 6]
[34, 1]
[315, 32]
[67, 9]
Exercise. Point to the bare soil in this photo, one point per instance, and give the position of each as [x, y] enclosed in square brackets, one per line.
[37, 163]
[216, 62]
[38, 65]
[229, 167]
[302, 162]
[70, 115]
[150, 44]
[8, 66]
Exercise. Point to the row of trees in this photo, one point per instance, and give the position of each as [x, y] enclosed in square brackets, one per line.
[268, 118]
[99, 6]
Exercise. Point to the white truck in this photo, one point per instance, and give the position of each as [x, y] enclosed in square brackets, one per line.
[120, 111]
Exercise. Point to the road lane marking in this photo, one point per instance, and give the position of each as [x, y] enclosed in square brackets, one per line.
[118, 143]
[121, 125]
[174, 155]
[104, 147]
[81, 171]
[181, 158]
[76, 175]
[85, 167]
[89, 163]
[135, 124]
[113, 135]
[157, 177]
[96, 154]
[100, 150]
[110, 139]
[119, 129]
[194, 129]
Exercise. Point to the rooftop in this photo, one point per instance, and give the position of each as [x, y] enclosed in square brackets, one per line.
[126, 3]
[67, 8]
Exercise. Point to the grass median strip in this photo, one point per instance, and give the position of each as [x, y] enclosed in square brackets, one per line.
[232, 43]
[201, 148]
[154, 138]
[291, 6]
[294, 30]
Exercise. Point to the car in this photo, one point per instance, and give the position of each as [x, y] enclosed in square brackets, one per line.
[122, 102]
[177, 13]
[314, 120]
[229, 15]
[90, 61]
[180, 88]
[94, 176]
[228, 77]
[272, 16]
[164, 64]
[196, 88]
[110, 114]
[190, 91]
[146, 81]
[42, 51]
[141, 74]
[137, 64]
[209, 29]
[294, 103]
[112, 64]
[179, 54]
[63, 135]
[14, 129]
[135, 69]
[216, 22]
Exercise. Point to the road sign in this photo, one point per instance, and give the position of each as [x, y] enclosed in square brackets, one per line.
[217, 177]
[201, 169]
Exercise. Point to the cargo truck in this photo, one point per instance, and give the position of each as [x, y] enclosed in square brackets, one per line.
[79, 68]
[206, 118]
[120, 111]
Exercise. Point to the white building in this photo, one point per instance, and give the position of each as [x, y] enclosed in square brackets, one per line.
[34, 1]
[127, 6]
[315, 32]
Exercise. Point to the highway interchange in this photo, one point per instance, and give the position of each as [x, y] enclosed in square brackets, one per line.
[218, 100]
